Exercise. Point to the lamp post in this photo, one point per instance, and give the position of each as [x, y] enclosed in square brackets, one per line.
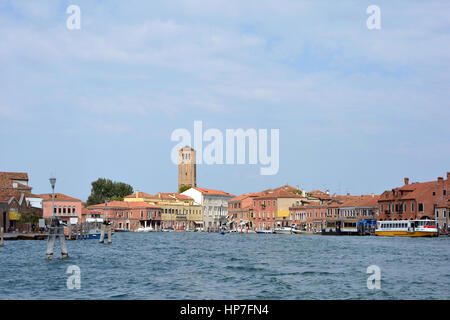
[53, 182]
[106, 226]
[56, 230]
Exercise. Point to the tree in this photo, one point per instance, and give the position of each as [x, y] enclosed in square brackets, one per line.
[105, 189]
[183, 189]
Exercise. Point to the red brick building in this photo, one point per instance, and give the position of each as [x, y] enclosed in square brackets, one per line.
[414, 200]
[240, 211]
[129, 215]
[311, 216]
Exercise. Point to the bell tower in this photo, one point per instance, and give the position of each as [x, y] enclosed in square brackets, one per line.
[187, 171]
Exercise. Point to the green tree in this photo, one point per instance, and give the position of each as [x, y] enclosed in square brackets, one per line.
[106, 189]
[183, 189]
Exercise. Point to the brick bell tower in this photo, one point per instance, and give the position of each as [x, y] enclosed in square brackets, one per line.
[187, 171]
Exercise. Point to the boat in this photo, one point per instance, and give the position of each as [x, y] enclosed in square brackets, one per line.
[168, 229]
[341, 227]
[222, 231]
[121, 230]
[95, 228]
[298, 231]
[407, 228]
[283, 230]
[144, 229]
[264, 231]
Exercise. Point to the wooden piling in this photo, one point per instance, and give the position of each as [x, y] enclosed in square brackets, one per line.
[102, 234]
[1, 237]
[109, 234]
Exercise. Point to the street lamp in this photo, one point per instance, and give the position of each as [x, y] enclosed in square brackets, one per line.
[53, 182]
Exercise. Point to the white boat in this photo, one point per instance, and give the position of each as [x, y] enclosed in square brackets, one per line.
[264, 231]
[283, 230]
[407, 228]
[144, 229]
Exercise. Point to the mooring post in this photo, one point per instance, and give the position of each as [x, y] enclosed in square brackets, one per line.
[102, 234]
[1, 237]
[109, 234]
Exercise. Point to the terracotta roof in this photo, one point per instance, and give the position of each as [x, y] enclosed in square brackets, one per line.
[408, 191]
[124, 205]
[214, 192]
[140, 194]
[14, 175]
[279, 194]
[172, 196]
[244, 196]
[58, 197]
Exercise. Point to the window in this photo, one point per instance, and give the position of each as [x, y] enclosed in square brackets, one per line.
[420, 207]
[412, 206]
[64, 209]
[445, 192]
[434, 193]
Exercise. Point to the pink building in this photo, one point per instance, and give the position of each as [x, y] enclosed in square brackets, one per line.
[65, 207]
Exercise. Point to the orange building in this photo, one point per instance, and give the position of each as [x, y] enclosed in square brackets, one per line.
[414, 200]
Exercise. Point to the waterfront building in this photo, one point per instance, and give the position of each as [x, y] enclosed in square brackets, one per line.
[14, 181]
[240, 211]
[414, 200]
[271, 208]
[65, 208]
[214, 204]
[127, 215]
[187, 168]
[311, 215]
[442, 214]
[16, 212]
[178, 211]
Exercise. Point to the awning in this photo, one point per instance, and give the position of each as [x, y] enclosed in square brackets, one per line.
[13, 215]
[198, 222]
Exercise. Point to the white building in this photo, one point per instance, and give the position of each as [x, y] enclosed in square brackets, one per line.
[215, 206]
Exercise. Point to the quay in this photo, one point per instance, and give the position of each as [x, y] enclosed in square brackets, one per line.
[25, 236]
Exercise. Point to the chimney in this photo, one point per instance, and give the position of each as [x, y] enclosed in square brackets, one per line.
[137, 194]
[440, 179]
[303, 193]
[448, 176]
[406, 181]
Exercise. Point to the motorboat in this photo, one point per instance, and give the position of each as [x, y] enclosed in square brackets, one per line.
[144, 229]
[283, 230]
[264, 231]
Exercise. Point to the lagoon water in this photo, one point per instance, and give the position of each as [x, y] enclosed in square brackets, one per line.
[177, 265]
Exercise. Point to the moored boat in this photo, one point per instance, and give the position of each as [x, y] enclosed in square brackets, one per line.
[407, 228]
[264, 231]
[341, 227]
[283, 230]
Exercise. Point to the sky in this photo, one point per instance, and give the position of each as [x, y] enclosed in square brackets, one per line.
[357, 109]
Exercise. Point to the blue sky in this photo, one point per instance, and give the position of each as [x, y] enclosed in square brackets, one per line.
[357, 109]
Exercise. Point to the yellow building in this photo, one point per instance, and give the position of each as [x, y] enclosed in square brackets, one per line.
[178, 211]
